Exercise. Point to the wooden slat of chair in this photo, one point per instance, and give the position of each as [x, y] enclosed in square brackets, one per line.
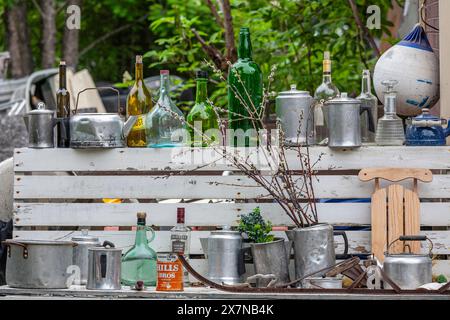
[379, 223]
[412, 218]
[395, 174]
[395, 217]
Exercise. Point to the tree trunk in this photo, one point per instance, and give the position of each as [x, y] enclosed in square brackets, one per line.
[18, 40]
[231, 53]
[48, 33]
[71, 41]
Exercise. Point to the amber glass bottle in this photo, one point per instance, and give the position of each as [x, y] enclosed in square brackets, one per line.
[139, 103]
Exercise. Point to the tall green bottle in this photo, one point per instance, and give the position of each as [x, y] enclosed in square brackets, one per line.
[245, 92]
[202, 115]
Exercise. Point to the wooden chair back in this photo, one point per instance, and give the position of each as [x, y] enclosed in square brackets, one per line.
[395, 210]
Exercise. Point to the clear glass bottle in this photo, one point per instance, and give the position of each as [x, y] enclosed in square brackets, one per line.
[202, 113]
[165, 123]
[326, 91]
[245, 93]
[139, 103]
[180, 237]
[390, 131]
[139, 263]
[369, 105]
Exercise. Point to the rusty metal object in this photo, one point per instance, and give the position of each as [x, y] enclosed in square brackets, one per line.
[240, 289]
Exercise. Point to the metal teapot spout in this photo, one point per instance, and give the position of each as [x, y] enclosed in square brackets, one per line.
[204, 243]
[26, 119]
[128, 125]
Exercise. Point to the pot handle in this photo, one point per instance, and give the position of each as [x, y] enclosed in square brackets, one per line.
[8, 243]
[103, 260]
[369, 117]
[344, 255]
[413, 238]
[98, 89]
[148, 228]
[107, 243]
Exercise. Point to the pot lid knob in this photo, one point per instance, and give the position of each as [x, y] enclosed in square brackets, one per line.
[293, 87]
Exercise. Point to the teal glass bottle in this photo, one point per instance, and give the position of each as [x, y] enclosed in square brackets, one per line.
[139, 263]
[164, 124]
[202, 116]
[245, 93]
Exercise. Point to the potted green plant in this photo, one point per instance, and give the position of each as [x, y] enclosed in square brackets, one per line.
[270, 255]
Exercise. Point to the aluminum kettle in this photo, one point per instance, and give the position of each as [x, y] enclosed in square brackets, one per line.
[225, 254]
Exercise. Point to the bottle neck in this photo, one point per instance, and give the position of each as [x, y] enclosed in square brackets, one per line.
[139, 72]
[62, 76]
[390, 101]
[165, 86]
[202, 93]
[245, 46]
[326, 78]
[366, 85]
[141, 235]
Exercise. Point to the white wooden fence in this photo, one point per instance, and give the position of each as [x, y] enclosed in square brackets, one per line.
[58, 191]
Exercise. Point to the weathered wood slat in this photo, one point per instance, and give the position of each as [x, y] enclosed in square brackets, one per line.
[27, 160]
[359, 241]
[193, 187]
[200, 214]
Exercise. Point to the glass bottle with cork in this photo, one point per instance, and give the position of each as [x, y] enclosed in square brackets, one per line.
[245, 94]
[139, 103]
[326, 91]
[165, 122]
[139, 263]
[202, 116]
[180, 236]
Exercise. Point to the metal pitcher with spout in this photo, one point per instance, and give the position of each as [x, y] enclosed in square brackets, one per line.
[343, 115]
[225, 253]
[99, 130]
[40, 124]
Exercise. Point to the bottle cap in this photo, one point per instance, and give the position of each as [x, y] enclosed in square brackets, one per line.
[62, 63]
[201, 74]
[164, 72]
[138, 59]
[180, 215]
[326, 55]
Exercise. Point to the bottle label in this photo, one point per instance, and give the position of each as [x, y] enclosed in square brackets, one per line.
[327, 66]
[178, 246]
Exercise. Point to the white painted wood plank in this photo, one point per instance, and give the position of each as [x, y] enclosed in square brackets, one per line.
[194, 187]
[359, 241]
[142, 159]
[203, 214]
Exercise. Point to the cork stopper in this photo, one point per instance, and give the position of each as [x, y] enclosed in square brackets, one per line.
[62, 63]
[138, 59]
[141, 215]
[326, 55]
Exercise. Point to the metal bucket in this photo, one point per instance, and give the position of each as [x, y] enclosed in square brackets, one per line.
[271, 258]
[314, 248]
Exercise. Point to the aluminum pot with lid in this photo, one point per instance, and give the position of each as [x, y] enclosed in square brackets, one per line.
[408, 270]
[39, 264]
[294, 113]
[99, 130]
[104, 267]
[343, 116]
[80, 254]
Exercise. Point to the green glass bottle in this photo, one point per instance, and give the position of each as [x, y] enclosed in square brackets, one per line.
[139, 263]
[245, 92]
[202, 115]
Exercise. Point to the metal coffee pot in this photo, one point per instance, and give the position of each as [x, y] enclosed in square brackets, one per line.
[408, 270]
[99, 130]
[294, 113]
[343, 115]
[225, 253]
[80, 253]
[104, 267]
[40, 123]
